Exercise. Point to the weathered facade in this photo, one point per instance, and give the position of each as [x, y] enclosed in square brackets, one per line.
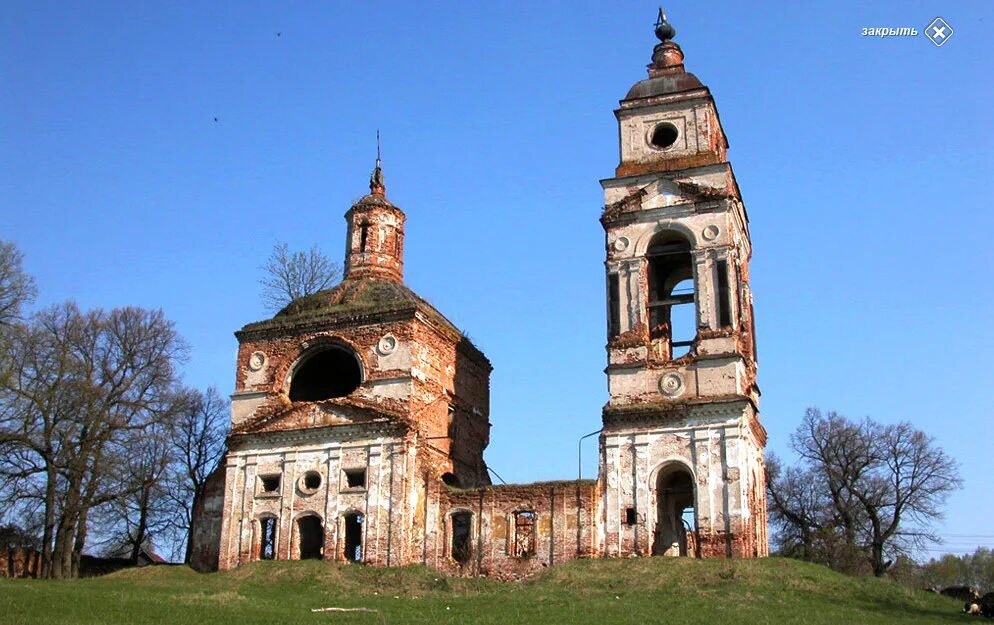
[360, 414]
[682, 447]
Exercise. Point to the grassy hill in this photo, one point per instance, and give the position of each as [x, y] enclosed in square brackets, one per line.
[605, 592]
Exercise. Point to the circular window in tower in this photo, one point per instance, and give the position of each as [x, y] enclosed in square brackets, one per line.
[663, 136]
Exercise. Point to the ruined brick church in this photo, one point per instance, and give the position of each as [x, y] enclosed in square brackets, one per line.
[361, 414]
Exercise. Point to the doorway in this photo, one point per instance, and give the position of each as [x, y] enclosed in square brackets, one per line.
[353, 537]
[311, 536]
[676, 516]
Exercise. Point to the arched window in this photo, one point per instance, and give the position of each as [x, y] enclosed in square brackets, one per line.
[310, 537]
[672, 314]
[330, 372]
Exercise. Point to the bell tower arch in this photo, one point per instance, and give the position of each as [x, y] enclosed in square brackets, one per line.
[681, 338]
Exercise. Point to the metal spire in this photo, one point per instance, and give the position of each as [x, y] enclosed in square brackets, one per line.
[376, 184]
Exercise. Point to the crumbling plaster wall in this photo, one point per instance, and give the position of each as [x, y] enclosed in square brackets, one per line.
[266, 362]
[714, 443]
[385, 456]
[384, 241]
[565, 527]
[208, 515]
[696, 122]
[451, 379]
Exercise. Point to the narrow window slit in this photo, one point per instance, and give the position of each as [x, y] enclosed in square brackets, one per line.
[614, 299]
[724, 304]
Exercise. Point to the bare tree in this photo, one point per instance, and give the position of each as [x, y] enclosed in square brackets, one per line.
[199, 446]
[37, 403]
[797, 508]
[140, 513]
[912, 481]
[290, 275]
[16, 287]
[82, 387]
[857, 484]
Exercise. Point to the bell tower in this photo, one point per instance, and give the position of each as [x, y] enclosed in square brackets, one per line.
[682, 467]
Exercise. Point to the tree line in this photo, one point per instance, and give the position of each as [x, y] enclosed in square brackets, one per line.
[100, 442]
[101, 445]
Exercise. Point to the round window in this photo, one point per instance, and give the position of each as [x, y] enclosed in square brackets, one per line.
[310, 482]
[663, 136]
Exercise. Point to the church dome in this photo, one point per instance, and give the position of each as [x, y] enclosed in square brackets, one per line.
[365, 298]
[662, 85]
[353, 297]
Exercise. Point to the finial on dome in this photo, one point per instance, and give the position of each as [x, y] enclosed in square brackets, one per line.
[667, 57]
[376, 184]
[664, 30]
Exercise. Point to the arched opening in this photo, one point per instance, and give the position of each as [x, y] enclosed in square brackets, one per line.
[267, 538]
[676, 516]
[462, 530]
[672, 313]
[450, 479]
[331, 372]
[310, 533]
[353, 537]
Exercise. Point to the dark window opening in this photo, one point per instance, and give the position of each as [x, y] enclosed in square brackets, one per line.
[363, 237]
[270, 483]
[724, 303]
[664, 135]
[614, 305]
[462, 546]
[353, 537]
[672, 313]
[267, 538]
[312, 480]
[311, 536]
[450, 479]
[333, 372]
[355, 478]
[631, 518]
[524, 534]
[676, 523]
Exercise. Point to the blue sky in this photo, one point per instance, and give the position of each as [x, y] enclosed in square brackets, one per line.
[865, 165]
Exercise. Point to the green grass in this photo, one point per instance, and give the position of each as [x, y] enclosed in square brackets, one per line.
[605, 592]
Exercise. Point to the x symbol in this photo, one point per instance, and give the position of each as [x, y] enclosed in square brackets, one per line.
[940, 32]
